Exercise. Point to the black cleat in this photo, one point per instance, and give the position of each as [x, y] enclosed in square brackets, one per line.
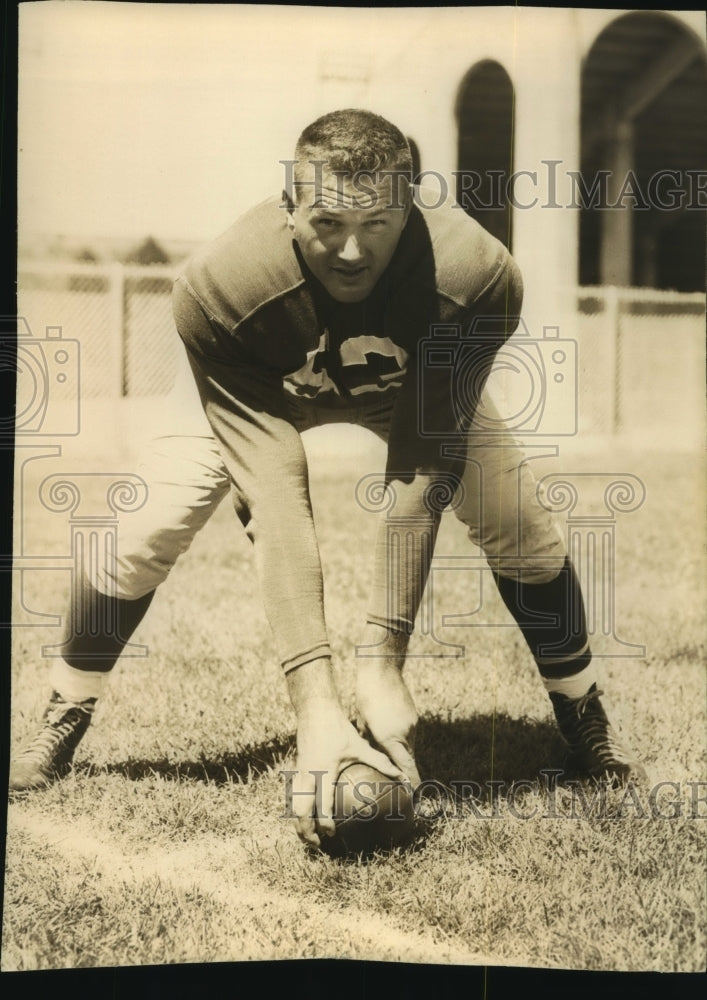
[594, 746]
[50, 752]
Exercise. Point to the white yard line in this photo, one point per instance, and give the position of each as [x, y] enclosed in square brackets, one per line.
[372, 936]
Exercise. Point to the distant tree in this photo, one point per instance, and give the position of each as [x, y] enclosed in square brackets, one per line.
[87, 282]
[86, 256]
[148, 252]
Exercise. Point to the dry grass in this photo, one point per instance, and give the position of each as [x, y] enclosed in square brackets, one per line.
[165, 844]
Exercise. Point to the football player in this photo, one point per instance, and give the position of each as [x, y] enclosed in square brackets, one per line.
[316, 309]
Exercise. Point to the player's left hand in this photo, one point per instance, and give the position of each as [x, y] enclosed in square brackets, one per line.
[386, 712]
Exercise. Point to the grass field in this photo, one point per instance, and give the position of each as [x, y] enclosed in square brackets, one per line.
[165, 845]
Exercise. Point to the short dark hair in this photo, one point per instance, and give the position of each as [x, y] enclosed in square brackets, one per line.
[353, 141]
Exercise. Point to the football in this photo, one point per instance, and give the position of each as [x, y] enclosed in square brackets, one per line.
[371, 813]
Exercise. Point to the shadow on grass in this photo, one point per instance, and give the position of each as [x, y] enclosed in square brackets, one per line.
[479, 749]
[487, 748]
[242, 766]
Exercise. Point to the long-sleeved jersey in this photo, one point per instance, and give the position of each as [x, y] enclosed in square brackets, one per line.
[262, 332]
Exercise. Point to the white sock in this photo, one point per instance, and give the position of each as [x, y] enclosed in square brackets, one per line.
[76, 685]
[574, 686]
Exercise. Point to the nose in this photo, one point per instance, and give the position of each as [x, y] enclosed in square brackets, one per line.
[350, 251]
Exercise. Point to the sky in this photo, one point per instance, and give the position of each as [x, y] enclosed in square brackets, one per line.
[168, 119]
[129, 117]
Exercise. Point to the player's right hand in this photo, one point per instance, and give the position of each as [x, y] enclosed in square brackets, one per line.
[327, 743]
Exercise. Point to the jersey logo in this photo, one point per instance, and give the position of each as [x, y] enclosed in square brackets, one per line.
[368, 364]
[372, 364]
[312, 378]
[356, 351]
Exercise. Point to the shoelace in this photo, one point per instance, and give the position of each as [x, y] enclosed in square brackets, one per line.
[583, 702]
[598, 733]
[59, 724]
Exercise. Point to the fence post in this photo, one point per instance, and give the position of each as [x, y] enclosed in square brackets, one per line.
[611, 306]
[118, 332]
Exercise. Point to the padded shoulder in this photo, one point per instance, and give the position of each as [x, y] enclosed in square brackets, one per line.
[468, 259]
[250, 264]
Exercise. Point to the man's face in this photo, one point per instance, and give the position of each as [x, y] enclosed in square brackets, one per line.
[347, 229]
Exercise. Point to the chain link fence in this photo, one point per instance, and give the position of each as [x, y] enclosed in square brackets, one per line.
[640, 352]
[641, 360]
[120, 314]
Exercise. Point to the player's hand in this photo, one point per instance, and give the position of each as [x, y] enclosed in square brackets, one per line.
[387, 713]
[327, 743]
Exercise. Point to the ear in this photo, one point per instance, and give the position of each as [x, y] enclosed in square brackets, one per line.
[289, 207]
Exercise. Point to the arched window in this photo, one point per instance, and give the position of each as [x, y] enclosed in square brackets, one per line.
[484, 112]
[643, 121]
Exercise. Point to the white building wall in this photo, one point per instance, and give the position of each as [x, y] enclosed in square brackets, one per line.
[415, 81]
[416, 64]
